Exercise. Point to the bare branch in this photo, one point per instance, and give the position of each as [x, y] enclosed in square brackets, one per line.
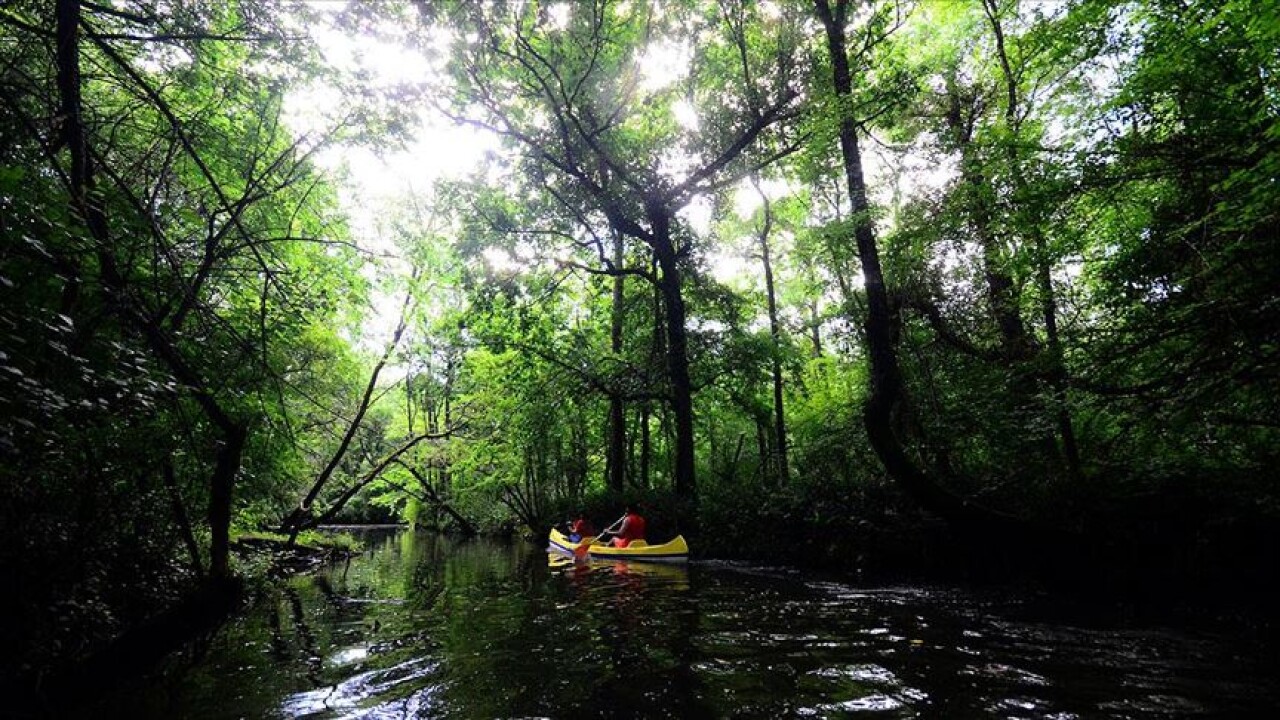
[777, 112]
[365, 402]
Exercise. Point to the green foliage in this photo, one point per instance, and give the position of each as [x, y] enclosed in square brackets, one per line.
[1075, 205]
[210, 297]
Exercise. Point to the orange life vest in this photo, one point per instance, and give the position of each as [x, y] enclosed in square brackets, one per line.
[632, 528]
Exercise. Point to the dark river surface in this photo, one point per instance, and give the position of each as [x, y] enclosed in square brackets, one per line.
[421, 626]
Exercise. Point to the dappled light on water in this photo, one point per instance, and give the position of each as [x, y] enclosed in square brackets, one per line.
[424, 627]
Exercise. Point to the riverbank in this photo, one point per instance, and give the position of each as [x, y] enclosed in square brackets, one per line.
[197, 613]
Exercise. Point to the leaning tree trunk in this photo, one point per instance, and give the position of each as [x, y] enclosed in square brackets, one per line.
[434, 496]
[1018, 349]
[1002, 293]
[885, 393]
[302, 517]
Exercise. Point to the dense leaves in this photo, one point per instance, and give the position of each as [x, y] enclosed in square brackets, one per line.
[855, 273]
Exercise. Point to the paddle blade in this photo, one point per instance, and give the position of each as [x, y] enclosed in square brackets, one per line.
[581, 551]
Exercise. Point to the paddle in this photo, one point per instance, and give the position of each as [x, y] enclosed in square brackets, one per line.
[581, 551]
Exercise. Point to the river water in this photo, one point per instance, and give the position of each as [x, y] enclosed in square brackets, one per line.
[421, 626]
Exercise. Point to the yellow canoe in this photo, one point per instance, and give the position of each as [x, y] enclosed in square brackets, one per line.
[675, 551]
[670, 574]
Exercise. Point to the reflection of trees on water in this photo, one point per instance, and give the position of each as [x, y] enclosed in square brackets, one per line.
[487, 630]
[687, 689]
[645, 619]
[279, 646]
[486, 608]
[515, 635]
[424, 572]
[306, 638]
[512, 636]
[325, 587]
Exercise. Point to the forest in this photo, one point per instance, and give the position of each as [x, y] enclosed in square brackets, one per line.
[983, 288]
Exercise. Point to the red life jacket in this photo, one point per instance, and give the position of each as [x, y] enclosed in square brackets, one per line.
[582, 526]
[632, 528]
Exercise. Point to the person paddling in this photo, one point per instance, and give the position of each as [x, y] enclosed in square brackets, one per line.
[586, 542]
[627, 529]
[632, 528]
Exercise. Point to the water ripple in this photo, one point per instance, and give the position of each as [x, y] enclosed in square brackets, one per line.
[359, 690]
[483, 630]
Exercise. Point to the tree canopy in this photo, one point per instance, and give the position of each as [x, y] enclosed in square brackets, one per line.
[853, 271]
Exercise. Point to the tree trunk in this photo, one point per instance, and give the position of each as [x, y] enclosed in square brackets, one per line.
[616, 453]
[646, 444]
[1018, 349]
[433, 496]
[408, 400]
[762, 449]
[87, 205]
[1002, 294]
[885, 392]
[731, 468]
[302, 516]
[180, 516]
[815, 329]
[646, 409]
[677, 354]
[783, 473]
[446, 469]
[220, 498]
[299, 517]
[1058, 379]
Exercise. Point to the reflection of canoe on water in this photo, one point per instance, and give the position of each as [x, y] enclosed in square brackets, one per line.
[675, 551]
[671, 573]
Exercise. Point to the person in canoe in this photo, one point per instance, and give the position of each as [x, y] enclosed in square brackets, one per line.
[580, 527]
[632, 528]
